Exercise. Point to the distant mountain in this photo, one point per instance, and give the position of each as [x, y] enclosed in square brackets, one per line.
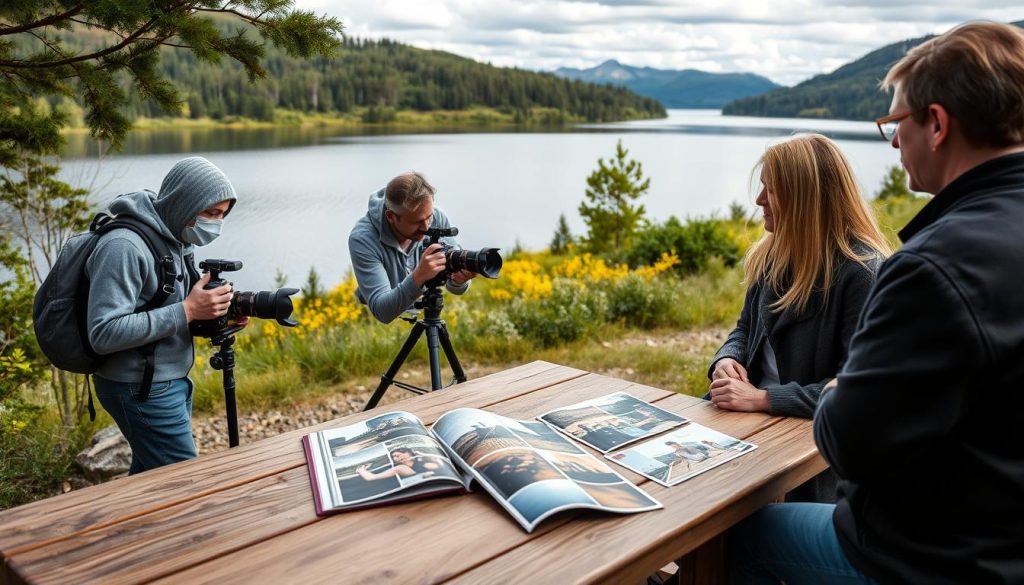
[848, 93]
[688, 88]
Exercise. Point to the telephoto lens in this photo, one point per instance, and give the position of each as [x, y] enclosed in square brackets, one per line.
[264, 304]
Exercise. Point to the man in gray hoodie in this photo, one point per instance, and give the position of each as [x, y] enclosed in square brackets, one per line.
[389, 258]
[189, 210]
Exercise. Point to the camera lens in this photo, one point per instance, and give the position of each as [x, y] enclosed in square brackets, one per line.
[263, 304]
[485, 261]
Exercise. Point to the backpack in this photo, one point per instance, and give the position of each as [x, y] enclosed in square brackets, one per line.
[60, 309]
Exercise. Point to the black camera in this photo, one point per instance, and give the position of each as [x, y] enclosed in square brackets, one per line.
[485, 261]
[261, 304]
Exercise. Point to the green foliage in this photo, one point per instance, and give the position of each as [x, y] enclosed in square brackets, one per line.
[568, 314]
[313, 289]
[640, 302]
[895, 212]
[608, 210]
[895, 184]
[695, 242]
[37, 450]
[563, 238]
[737, 212]
[20, 361]
[120, 57]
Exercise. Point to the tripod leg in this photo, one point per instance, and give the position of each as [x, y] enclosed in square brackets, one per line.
[449, 352]
[389, 377]
[435, 357]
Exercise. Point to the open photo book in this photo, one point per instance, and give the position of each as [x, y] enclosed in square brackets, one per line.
[528, 468]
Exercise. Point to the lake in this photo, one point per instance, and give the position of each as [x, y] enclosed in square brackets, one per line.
[300, 191]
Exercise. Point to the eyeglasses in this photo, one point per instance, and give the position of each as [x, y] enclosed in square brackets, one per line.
[887, 125]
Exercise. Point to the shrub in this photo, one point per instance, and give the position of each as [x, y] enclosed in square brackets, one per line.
[567, 314]
[640, 302]
[694, 243]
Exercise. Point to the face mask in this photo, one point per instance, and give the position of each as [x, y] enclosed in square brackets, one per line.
[203, 232]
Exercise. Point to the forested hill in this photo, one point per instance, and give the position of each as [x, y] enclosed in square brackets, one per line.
[850, 92]
[384, 76]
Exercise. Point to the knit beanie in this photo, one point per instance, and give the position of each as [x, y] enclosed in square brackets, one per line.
[193, 184]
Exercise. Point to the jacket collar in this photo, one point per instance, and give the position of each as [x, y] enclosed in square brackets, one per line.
[1005, 171]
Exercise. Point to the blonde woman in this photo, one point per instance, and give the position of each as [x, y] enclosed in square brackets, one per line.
[807, 280]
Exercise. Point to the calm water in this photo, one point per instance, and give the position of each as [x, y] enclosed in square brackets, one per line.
[300, 192]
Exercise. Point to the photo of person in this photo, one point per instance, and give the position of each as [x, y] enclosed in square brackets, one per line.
[512, 469]
[540, 436]
[536, 501]
[583, 468]
[382, 428]
[681, 454]
[620, 496]
[423, 457]
[612, 421]
[350, 469]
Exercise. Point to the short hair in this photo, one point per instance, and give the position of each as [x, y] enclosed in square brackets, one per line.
[407, 192]
[976, 72]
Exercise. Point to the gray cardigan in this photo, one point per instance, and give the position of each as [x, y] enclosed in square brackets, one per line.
[810, 349]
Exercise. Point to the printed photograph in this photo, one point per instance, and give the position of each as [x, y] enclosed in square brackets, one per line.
[415, 458]
[612, 421]
[536, 500]
[686, 452]
[382, 428]
[583, 468]
[540, 436]
[365, 475]
[482, 439]
[513, 469]
[620, 496]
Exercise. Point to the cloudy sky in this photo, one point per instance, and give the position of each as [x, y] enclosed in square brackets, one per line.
[785, 40]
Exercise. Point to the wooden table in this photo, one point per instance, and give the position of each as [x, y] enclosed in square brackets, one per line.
[246, 515]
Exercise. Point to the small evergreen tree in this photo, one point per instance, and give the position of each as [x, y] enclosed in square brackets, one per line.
[562, 238]
[313, 289]
[895, 184]
[609, 211]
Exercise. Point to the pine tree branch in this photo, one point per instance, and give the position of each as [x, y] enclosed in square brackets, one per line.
[91, 56]
[52, 19]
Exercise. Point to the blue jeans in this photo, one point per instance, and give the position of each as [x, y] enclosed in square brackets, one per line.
[159, 429]
[791, 543]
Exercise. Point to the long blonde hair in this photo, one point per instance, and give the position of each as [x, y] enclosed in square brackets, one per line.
[819, 216]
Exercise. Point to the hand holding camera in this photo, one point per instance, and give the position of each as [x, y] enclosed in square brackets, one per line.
[432, 263]
[207, 303]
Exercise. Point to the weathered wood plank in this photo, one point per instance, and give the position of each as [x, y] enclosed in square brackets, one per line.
[40, 522]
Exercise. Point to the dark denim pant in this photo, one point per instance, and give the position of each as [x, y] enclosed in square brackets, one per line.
[791, 543]
[159, 429]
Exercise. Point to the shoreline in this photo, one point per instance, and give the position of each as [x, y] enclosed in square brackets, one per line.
[361, 119]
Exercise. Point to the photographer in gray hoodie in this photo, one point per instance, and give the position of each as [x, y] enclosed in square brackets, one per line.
[389, 258]
[189, 210]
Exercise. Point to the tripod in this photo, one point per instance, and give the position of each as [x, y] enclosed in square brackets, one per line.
[224, 359]
[437, 335]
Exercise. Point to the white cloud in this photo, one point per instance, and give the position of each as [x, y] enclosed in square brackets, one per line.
[785, 40]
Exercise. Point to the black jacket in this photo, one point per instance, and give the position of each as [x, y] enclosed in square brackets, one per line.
[926, 427]
[810, 347]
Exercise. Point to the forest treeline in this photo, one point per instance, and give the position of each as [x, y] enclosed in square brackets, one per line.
[377, 77]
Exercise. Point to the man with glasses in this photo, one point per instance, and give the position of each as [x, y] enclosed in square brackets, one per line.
[389, 259]
[923, 424]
